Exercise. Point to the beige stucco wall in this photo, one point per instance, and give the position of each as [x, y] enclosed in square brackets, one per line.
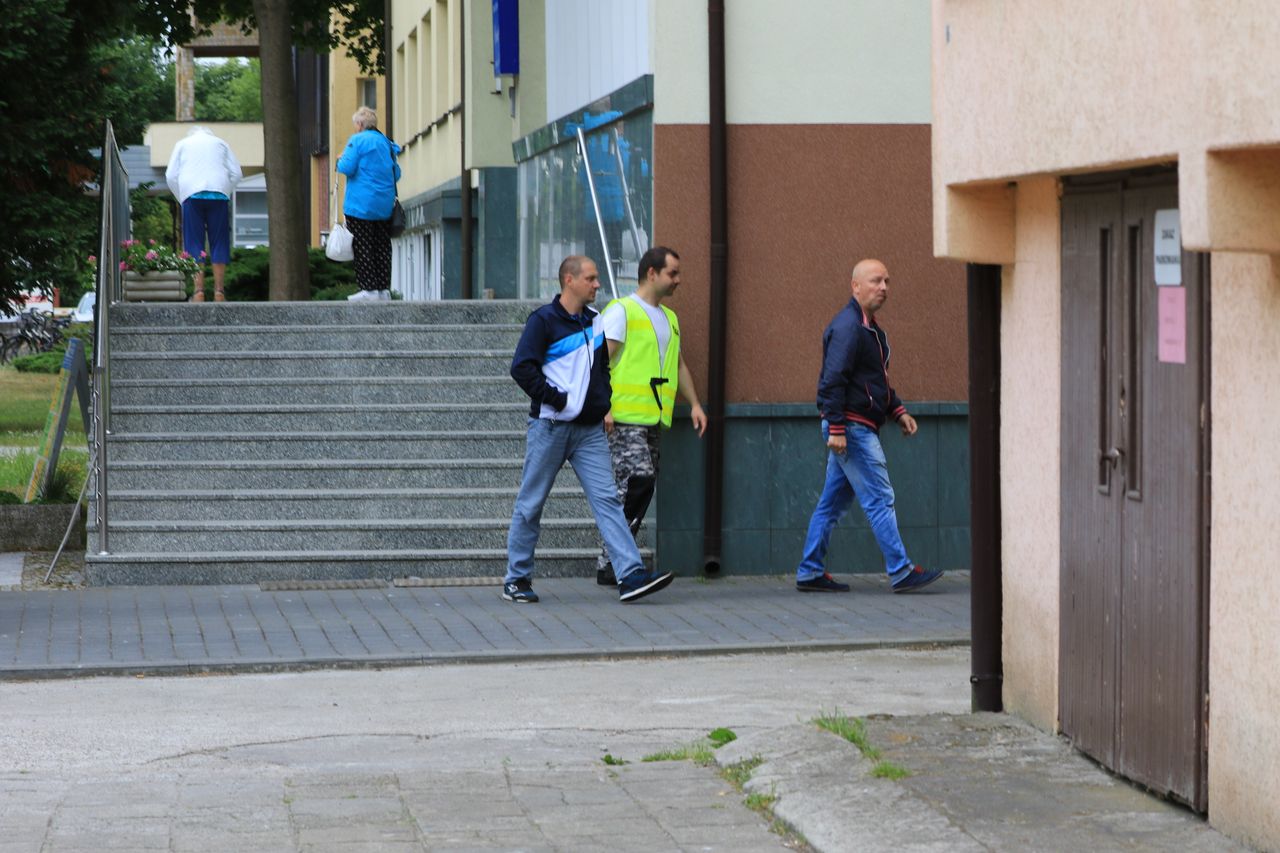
[1030, 414]
[1089, 85]
[1244, 600]
[817, 62]
[344, 96]
[245, 139]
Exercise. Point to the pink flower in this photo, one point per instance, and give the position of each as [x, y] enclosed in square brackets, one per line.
[93, 259]
[185, 256]
[151, 256]
[203, 253]
[123, 265]
[153, 242]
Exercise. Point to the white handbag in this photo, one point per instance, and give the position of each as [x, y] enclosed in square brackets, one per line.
[339, 245]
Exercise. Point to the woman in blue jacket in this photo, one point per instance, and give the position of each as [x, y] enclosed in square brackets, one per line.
[371, 169]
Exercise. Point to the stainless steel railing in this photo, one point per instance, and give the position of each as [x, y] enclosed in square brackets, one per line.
[595, 205]
[115, 228]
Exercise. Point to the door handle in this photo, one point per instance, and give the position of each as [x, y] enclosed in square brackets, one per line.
[1114, 455]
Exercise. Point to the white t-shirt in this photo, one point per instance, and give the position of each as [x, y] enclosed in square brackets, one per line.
[615, 325]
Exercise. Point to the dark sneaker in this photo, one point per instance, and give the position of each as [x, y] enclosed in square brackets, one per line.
[918, 578]
[822, 583]
[519, 591]
[605, 576]
[640, 583]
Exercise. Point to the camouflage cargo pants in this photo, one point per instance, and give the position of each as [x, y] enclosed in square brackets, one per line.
[634, 451]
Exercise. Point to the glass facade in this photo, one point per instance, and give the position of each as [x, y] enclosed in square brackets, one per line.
[556, 215]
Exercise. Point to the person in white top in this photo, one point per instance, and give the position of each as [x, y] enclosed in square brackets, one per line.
[634, 424]
[202, 174]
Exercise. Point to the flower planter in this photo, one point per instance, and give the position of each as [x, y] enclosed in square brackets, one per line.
[163, 286]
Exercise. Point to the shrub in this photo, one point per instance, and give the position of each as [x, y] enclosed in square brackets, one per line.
[51, 361]
[9, 499]
[249, 272]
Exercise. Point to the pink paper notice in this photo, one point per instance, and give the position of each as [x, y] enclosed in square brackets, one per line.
[1172, 319]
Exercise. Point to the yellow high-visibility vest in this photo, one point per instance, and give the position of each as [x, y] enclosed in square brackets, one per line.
[644, 393]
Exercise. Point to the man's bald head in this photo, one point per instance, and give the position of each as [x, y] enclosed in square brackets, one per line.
[870, 284]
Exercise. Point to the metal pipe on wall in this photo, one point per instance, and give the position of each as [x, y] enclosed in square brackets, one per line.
[713, 498]
[468, 256]
[986, 599]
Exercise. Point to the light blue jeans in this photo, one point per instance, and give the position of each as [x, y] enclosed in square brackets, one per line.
[859, 472]
[549, 444]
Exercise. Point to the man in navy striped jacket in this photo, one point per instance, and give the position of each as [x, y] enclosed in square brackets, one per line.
[562, 363]
[855, 398]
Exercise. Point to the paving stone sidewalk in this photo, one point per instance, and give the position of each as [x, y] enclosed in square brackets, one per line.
[159, 630]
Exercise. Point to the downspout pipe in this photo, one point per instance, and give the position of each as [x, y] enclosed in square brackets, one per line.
[986, 599]
[468, 255]
[388, 117]
[713, 497]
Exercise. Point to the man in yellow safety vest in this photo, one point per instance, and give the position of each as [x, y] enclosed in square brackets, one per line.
[646, 368]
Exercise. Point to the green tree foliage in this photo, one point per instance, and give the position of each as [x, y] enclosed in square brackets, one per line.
[64, 66]
[230, 91]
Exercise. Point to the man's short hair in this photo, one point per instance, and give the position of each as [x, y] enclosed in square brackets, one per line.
[655, 259]
[571, 267]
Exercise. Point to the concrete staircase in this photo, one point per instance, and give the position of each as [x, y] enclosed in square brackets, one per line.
[318, 441]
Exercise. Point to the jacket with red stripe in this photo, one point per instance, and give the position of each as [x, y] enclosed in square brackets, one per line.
[854, 384]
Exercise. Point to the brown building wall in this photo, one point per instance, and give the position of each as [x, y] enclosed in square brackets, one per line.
[805, 203]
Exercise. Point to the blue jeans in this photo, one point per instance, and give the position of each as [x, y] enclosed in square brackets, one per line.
[860, 472]
[548, 445]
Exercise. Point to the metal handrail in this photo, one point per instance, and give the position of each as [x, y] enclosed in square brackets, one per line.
[595, 204]
[115, 228]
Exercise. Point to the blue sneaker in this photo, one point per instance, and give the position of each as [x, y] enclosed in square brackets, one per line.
[640, 583]
[822, 583]
[918, 578]
[520, 591]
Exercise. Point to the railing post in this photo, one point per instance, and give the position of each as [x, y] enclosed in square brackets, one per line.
[595, 205]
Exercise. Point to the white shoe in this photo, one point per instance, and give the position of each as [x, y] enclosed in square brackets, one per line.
[362, 296]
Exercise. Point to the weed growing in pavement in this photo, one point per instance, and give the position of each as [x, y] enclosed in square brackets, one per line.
[698, 753]
[760, 802]
[854, 730]
[614, 762]
[851, 729]
[738, 774]
[889, 770]
[719, 737]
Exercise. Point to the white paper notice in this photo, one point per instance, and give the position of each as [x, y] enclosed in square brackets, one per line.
[1168, 245]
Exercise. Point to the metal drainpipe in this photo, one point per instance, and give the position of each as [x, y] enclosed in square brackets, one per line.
[986, 597]
[712, 531]
[468, 257]
[387, 116]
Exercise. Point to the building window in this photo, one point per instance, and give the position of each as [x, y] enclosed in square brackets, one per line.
[368, 93]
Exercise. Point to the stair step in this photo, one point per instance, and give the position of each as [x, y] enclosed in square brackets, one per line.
[221, 419]
[441, 336]
[457, 311]
[329, 390]
[318, 474]
[250, 567]
[319, 363]
[369, 535]
[502, 444]
[566, 501]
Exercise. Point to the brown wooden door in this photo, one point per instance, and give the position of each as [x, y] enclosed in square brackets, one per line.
[1135, 432]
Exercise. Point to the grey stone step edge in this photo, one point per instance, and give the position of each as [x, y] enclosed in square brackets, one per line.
[314, 328]
[312, 408]
[218, 381]
[311, 355]
[363, 435]
[316, 464]
[329, 494]
[340, 556]
[339, 524]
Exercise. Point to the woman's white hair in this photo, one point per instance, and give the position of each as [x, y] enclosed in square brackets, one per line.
[365, 119]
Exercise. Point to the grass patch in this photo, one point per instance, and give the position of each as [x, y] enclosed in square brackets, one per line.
[738, 774]
[851, 729]
[719, 737]
[759, 802]
[26, 399]
[614, 762]
[889, 770]
[698, 753]
[15, 474]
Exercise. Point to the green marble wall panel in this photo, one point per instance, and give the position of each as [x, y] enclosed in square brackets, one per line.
[775, 464]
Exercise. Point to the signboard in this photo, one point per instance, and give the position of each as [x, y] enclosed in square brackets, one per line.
[73, 381]
[1168, 248]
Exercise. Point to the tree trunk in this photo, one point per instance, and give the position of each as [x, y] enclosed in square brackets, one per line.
[288, 216]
